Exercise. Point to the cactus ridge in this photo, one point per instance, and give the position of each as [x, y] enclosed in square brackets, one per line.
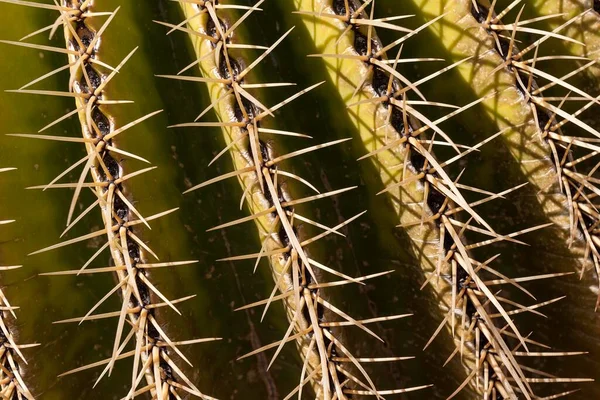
[566, 152]
[12, 384]
[151, 359]
[297, 275]
[491, 360]
[436, 210]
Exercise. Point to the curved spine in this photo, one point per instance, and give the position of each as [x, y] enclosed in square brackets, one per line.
[334, 372]
[575, 190]
[424, 197]
[12, 360]
[152, 358]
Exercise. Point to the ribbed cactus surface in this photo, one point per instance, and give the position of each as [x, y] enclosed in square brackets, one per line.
[299, 199]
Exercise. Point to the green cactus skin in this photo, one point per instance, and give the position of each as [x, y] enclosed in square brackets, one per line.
[245, 159]
[176, 237]
[124, 245]
[87, 84]
[349, 74]
[220, 287]
[11, 355]
[256, 199]
[368, 118]
[553, 254]
[390, 295]
[509, 110]
[40, 219]
[371, 244]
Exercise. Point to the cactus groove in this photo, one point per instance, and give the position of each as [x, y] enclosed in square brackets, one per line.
[404, 165]
[324, 170]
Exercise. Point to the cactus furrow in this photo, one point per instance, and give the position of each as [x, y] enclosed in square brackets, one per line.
[314, 325]
[152, 357]
[423, 195]
[328, 168]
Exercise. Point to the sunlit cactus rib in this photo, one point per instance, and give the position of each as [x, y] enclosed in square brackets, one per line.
[391, 130]
[514, 112]
[411, 176]
[327, 363]
[562, 181]
[12, 383]
[372, 121]
[151, 355]
[236, 137]
[585, 27]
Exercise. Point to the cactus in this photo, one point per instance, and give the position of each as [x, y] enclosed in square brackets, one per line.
[413, 179]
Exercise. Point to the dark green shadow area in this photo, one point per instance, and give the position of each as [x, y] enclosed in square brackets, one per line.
[182, 157]
[371, 244]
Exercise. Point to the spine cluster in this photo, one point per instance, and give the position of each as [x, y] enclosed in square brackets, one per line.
[568, 153]
[298, 277]
[427, 201]
[12, 385]
[89, 76]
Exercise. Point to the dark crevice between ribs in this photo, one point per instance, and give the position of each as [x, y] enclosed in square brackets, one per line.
[380, 82]
[543, 115]
[250, 109]
[480, 12]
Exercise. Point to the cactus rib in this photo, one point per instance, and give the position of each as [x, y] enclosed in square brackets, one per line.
[577, 189]
[585, 27]
[125, 246]
[87, 84]
[421, 191]
[297, 276]
[532, 133]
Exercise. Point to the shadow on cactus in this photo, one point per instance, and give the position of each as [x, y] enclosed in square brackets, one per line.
[352, 164]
